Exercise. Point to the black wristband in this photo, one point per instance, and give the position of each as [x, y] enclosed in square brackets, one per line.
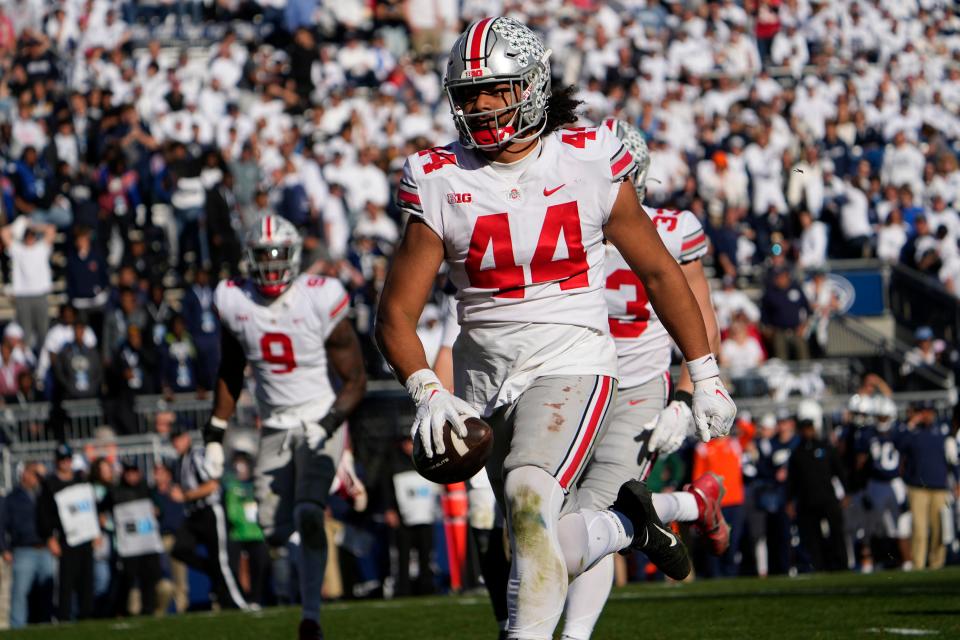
[211, 433]
[332, 421]
[683, 396]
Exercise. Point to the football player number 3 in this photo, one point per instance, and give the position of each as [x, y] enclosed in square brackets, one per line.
[637, 307]
[506, 276]
[277, 349]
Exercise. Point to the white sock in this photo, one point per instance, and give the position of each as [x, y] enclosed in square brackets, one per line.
[586, 596]
[680, 506]
[537, 587]
[587, 536]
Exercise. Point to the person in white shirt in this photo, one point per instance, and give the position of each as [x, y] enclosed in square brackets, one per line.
[740, 351]
[375, 223]
[730, 300]
[765, 165]
[903, 163]
[789, 48]
[29, 247]
[891, 237]
[813, 241]
[805, 186]
[855, 220]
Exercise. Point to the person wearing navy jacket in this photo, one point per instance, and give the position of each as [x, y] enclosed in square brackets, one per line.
[24, 549]
[204, 327]
[930, 458]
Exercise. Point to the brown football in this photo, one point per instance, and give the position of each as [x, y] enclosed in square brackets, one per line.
[462, 458]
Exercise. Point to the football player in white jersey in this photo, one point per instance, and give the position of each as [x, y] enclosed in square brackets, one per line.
[643, 424]
[290, 328]
[519, 208]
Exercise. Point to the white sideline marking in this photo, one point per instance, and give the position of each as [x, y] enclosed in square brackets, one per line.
[903, 631]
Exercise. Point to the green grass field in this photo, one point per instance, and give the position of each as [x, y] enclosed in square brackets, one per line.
[883, 605]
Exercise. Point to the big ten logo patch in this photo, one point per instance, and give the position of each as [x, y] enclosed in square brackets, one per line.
[459, 198]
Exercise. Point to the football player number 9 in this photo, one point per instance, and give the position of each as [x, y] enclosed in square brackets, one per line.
[506, 276]
[277, 348]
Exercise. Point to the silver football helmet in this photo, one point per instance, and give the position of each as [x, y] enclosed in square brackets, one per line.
[494, 51]
[635, 143]
[886, 413]
[273, 248]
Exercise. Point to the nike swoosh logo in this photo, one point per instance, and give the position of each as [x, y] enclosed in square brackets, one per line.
[634, 402]
[723, 395]
[549, 192]
[673, 538]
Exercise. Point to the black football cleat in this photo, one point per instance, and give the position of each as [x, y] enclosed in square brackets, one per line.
[659, 543]
[309, 630]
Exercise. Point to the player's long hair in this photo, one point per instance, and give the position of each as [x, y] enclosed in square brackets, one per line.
[562, 109]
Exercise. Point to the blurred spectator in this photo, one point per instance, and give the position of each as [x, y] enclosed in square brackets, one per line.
[203, 325]
[34, 194]
[10, 371]
[77, 368]
[178, 362]
[133, 372]
[813, 476]
[412, 517]
[249, 555]
[88, 278]
[67, 520]
[29, 246]
[930, 459]
[138, 539]
[160, 312]
[729, 301]
[376, 225]
[723, 456]
[740, 350]
[892, 237]
[784, 314]
[168, 497]
[922, 354]
[813, 242]
[118, 321]
[60, 335]
[225, 226]
[13, 336]
[25, 550]
[822, 296]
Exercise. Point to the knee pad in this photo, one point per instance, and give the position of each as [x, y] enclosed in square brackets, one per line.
[534, 498]
[310, 523]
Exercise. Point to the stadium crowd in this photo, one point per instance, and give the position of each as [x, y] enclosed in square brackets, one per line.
[798, 131]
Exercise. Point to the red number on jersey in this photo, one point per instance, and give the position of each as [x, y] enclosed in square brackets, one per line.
[438, 158]
[506, 276]
[315, 281]
[578, 136]
[670, 222]
[572, 270]
[636, 307]
[277, 348]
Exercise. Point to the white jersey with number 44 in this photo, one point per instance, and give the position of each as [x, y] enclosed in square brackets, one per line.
[284, 342]
[524, 243]
[643, 344]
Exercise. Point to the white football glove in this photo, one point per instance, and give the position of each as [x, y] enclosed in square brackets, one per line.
[713, 409]
[213, 460]
[436, 406]
[315, 436]
[671, 427]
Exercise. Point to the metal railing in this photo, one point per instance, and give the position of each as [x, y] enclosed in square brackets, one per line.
[851, 336]
[917, 299]
[31, 422]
